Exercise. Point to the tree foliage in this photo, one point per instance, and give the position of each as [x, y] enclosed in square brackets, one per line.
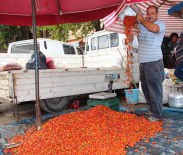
[64, 31]
[9, 34]
[61, 32]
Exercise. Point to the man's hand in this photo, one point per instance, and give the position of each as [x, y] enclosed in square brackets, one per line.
[150, 26]
[140, 18]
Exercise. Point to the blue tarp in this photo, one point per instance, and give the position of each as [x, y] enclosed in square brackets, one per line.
[167, 142]
[175, 8]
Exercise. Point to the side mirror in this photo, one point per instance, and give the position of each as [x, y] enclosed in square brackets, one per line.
[45, 45]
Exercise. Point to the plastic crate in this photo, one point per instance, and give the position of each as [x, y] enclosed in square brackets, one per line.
[112, 103]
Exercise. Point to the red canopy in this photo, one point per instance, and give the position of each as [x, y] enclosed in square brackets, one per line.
[173, 24]
[51, 12]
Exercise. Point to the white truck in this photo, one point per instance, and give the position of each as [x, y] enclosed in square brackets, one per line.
[57, 86]
[65, 55]
[108, 49]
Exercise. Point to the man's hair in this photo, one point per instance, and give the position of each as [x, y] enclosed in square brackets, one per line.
[174, 35]
[153, 6]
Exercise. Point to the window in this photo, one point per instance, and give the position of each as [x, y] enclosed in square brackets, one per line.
[72, 50]
[66, 49]
[69, 49]
[80, 52]
[114, 39]
[103, 42]
[93, 44]
[23, 48]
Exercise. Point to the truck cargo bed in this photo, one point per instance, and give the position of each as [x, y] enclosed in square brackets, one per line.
[19, 86]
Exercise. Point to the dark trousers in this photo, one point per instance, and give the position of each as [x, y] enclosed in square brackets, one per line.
[152, 76]
[179, 71]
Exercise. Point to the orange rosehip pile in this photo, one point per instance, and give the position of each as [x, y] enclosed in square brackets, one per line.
[99, 130]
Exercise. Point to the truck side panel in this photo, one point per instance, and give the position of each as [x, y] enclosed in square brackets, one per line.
[4, 87]
[59, 83]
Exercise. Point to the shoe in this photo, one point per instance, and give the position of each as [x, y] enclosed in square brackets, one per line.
[154, 119]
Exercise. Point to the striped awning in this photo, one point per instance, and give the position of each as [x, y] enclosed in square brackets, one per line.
[113, 23]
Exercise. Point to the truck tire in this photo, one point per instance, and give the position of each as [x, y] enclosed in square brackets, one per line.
[57, 104]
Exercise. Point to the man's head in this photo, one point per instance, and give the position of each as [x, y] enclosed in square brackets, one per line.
[174, 37]
[152, 13]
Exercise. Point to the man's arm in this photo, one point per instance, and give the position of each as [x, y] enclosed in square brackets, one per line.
[150, 26]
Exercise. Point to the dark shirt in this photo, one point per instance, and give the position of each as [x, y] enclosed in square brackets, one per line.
[179, 49]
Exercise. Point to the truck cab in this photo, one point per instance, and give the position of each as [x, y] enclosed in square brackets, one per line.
[106, 49]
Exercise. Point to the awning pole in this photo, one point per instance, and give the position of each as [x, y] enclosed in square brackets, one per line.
[37, 104]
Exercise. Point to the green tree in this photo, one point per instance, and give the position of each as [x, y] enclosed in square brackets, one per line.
[63, 31]
[9, 34]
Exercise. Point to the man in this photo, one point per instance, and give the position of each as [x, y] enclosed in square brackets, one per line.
[173, 41]
[151, 63]
[174, 38]
[179, 58]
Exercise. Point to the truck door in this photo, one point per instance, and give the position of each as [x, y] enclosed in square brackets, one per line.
[103, 49]
[71, 58]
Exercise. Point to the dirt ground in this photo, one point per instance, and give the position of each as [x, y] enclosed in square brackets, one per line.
[27, 110]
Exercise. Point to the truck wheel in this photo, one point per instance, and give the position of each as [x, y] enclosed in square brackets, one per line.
[57, 104]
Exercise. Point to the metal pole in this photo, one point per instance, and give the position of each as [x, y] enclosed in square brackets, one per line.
[37, 105]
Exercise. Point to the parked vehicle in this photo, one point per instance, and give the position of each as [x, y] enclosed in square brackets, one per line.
[105, 54]
[108, 49]
[65, 55]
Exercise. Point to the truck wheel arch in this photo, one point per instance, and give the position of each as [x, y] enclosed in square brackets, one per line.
[57, 104]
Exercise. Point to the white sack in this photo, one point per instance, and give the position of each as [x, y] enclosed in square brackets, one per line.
[167, 84]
